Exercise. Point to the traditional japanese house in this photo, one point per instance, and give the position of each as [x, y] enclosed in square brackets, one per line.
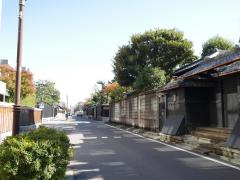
[205, 93]
[98, 112]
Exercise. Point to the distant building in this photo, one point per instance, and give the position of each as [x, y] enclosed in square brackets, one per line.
[3, 91]
[5, 67]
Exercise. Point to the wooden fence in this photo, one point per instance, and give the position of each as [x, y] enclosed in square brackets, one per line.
[28, 116]
[6, 118]
[140, 110]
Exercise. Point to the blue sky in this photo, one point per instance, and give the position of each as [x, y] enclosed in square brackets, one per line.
[73, 42]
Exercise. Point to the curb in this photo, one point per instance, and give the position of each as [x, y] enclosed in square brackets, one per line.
[176, 142]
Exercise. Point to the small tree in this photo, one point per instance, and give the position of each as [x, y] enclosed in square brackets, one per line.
[46, 92]
[8, 75]
[115, 92]
[216, 42]
[29, 100]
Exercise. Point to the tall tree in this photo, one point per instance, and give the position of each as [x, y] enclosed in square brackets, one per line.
[216, 42]
[160, 48]
[149, 78]
[46, 92]
[8, 75]
[126, 66]
[163, 48]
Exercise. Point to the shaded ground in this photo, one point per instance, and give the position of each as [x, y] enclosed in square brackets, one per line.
[103, 152]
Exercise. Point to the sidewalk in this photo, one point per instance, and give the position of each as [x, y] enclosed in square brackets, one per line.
[69, 126]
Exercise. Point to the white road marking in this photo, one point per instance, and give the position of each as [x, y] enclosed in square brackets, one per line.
[180, 149]
[104, 137]
[89, 138]
[76, 163]
[117, 137]
[76, 146]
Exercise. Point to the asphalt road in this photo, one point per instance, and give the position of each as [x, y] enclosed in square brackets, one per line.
[104, 152]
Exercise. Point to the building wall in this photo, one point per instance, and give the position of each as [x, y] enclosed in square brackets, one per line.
[48, 111]
[198, 100]
[98, 112]
[231, 100]
[203, 106]
[225, 104]
[175, 104]
[217, 106]
[138, 110]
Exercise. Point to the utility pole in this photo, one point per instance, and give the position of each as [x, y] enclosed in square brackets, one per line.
[67, 102]
[17, 107]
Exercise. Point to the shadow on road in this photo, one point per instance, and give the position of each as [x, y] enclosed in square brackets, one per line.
[102, 152]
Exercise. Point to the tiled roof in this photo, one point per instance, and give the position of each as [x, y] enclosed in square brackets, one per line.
[223, 58]
[222, 63]
[187, 68]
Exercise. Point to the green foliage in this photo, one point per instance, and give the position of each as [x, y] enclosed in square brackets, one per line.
[40, 154]
[118, 93]
[8, 75]
[216, 42]
[46, 92]
[160, 48]
[126, 66]
[98, 97]
[78, 106]
[29, 101]
[149, 78]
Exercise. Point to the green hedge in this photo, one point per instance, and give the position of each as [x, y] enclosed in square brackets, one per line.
[39, 154]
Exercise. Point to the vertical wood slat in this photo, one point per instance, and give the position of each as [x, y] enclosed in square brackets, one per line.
[6, 118]
[140, 110]
[29, 116]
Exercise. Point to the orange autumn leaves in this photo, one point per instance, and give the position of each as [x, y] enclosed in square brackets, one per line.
[110, 87]
[115, 92]
[8, 75]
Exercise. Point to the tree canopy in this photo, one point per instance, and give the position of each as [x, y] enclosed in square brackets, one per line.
[115, 92]
[109, 92]
[46, 92]
[8, 75]
[149, 78]
[161, 48]
[216, 42]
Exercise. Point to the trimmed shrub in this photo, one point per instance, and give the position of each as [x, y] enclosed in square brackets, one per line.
[39, 154]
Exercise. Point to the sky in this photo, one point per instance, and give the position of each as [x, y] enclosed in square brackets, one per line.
[73, 42]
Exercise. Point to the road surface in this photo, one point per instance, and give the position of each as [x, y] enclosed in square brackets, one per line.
[104, 152]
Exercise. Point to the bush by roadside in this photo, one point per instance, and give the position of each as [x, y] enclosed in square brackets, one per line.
[39, 154]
